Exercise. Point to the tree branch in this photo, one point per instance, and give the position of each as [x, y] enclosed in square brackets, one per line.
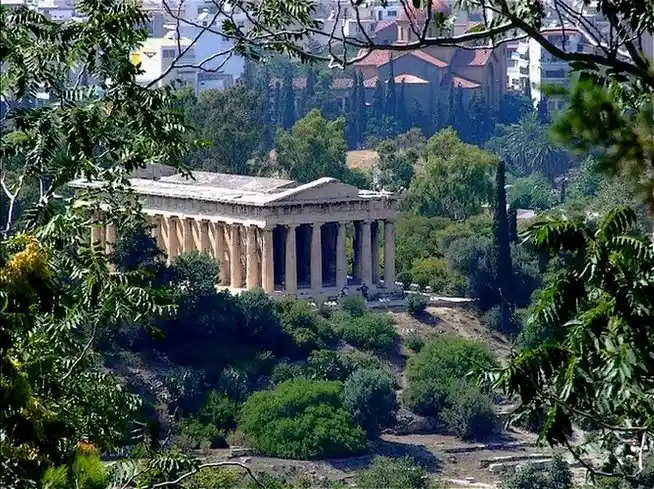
[207, 465]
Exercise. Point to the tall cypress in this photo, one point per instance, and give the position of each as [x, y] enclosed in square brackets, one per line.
[308, 93]
[378, 100]
[450, 108]
[267, 112]
[543, 111]
[391, 96]
[401, 114]
[459, 115]
[276, 115]
[288, 102]
[362, 115]
[351, 114]
[503, 268]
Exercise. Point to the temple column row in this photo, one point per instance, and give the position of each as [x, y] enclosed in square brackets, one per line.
[247, 255]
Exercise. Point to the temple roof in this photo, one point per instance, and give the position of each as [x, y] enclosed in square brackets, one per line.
[246, 190]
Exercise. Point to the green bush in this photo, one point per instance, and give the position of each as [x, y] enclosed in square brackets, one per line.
[556, 475]
[436, 273]
[327, 365]
[414, 342]
[354, 305]
[393, 473]
[469, 413]
[307, 329]
[373, 331]
[356, 360]
[369, 397]
[437, 366]
[192, 432]
[416, 304]
[405, 277]
[300, 419]
[287, 371]
[219, 411]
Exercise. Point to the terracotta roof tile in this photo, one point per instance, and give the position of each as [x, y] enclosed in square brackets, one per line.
[381, 57]
[375, 58]
[383, 24]
[410, 79]
[457, 81]
[342, 83]
[432, 60]
[472, 57]
[370, 82]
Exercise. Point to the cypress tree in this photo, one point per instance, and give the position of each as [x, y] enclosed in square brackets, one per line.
[391, 96]
[247, 77]
[308, 93]
[288, 101]
[378, 100]
[513, 224]
[362, 115]
[503, 268]
[351, 115]
[418, 118]
[267, 112]
[276, 115]
[401, 115]
[450, 108]
[459, 115]
[527, 91]
[543, 111]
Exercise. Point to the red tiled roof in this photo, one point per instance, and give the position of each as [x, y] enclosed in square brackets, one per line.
[457, 81]
[383, 24]
[298, 83]
[432, 60]
[410, 79]
[375, 58]
[380, 58]
[342, 83]
[370, 82]
[417, 16]
[471, 57]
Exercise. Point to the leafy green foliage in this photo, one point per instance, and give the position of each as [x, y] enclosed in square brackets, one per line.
[373, 331]
[369, 397]
[456, 181]
[531, 192]
[438, 386]
[414, 342]
[596, 307]
[327, 365]
[416, 304]
[393, 473]
[556, 475]
[354, 305]
[435, 272]
[306, 328]
[300, 419]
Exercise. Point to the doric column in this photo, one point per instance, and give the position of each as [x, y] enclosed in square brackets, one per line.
[218, 234]
[316, 256]
[110, 238]
[95, 235]
[155, 230]
[365, 256]
[172, 247]
[267, 261]
[291, 260]
[389, 254]
[236, 280]
[356, 262]
[252, 263]
[374, 251]
[205, 245]
[187, 235]
[341, 257]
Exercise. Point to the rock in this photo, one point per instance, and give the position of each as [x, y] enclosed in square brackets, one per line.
[236, 452]
[409, 423]
[245, 460]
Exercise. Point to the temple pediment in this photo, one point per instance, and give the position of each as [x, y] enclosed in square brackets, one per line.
[322, 189]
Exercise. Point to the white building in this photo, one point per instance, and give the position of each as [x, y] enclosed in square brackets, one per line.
[517, 65]
[156, 56]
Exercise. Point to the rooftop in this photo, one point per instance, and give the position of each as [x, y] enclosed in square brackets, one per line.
[241, 189]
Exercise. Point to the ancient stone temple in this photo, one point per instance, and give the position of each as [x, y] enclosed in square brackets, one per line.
[271, 233]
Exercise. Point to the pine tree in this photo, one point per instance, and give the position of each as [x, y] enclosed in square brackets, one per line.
[276, 115]
[288, 103]
[401, 114]
[503, 268]
[391, 96]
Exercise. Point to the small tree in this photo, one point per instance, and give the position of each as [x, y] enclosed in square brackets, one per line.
[369, 397]
[393, 473]
[416, 304]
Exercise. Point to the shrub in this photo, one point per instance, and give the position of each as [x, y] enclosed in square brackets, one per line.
[327, 365]
[393, 473]
[416, 304]
[436, 273]
[287, 371]
[369, 397]
[213, 477]
[260, 321]
[234, 383]
[306, 328]
[192, 433]
[354, 305]
[438, 365]
[373, 331]
[493, 320]
[219, 411]
[300, 419]
[405, 277]
[556, 476]
[413, 341]
[360, 359]
[469, 414]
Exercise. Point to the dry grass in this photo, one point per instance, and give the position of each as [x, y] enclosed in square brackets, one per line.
[364, 159]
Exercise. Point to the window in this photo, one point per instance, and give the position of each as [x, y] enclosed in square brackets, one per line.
[169, 53]
[391, 13]
[555, 74]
